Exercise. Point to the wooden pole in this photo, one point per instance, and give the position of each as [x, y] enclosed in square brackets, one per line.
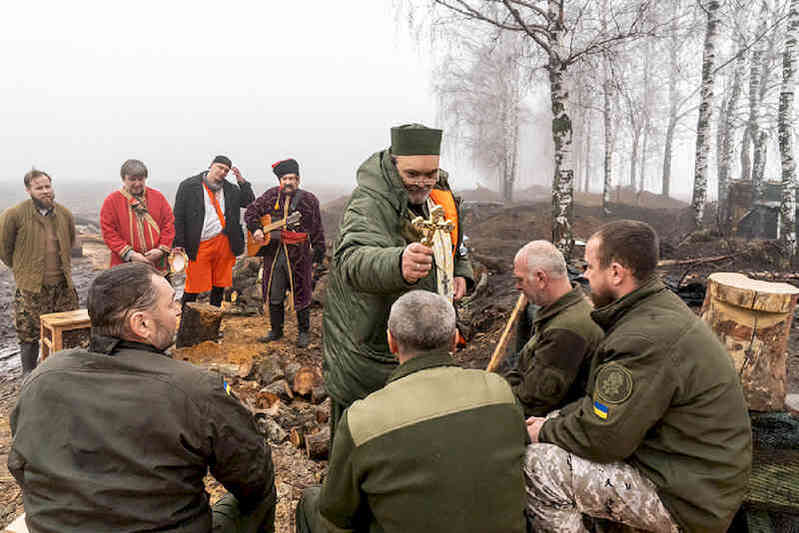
[499, 351]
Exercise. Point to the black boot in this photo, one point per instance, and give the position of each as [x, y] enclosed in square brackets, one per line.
[29, 354]
[303, 327]
[276, 323]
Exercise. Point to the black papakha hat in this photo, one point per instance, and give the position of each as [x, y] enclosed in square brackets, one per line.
[287, 166]
[225, 160]
[415, 139]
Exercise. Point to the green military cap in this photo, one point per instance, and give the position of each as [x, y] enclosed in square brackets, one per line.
[415, 139]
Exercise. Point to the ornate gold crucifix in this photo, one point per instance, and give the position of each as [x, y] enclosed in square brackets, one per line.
[428, 228]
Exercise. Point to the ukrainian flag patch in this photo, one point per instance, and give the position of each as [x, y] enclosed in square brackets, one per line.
[227, 387]
[600, 410]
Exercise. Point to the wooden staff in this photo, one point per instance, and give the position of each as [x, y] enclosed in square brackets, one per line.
[499, 351]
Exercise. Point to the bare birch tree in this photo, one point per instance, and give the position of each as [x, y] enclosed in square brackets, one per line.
[705, 113]
[786, 126]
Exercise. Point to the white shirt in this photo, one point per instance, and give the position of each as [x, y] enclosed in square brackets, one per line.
[212, 226]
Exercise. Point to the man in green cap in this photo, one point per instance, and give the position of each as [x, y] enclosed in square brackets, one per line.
[377, 257]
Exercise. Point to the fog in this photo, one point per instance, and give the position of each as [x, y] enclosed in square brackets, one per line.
[88, 84]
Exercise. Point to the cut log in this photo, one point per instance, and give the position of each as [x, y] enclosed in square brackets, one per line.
[305, 380]
[318, 394]
[752, 319]
[267, 400]
[323, 412]
[281, 389]
[200, 322]
[317, 444]
[296, 438]
[694, 261]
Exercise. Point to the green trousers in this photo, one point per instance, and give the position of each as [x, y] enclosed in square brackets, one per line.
[307, 515]
[228, 518]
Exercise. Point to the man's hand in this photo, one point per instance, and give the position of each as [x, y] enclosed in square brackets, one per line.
[136, 257]
[534, 425]
[154, 255]
[460, 288]
[258, 235]
[237, 173]
[417, 260]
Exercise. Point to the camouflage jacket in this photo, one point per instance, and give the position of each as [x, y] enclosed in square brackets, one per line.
[366, 278]
[554, 364]
[664, 396]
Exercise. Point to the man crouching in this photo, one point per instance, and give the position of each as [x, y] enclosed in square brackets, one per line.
[119, 437]
[439, 448]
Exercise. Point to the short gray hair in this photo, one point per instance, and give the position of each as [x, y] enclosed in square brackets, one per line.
[133, 167]
[422, 320]
[545, 256]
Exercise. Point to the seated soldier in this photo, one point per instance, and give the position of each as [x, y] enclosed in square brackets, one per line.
[661, 441]
[119, 437]
[553, 365]
[439, 448]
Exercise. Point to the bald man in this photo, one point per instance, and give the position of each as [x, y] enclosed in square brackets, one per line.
[553, 365]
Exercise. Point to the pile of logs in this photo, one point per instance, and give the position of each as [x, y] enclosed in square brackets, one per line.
[289, 402]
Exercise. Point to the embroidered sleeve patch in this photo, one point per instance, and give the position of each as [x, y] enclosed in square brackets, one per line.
[614, 384]
[600, 410]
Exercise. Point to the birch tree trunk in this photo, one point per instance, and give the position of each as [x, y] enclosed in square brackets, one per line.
[563, 181]
[607, 167]
[587, 165]
[752, 123]
[786, 124]
[668, 141]
[705, 114]
[726, 147]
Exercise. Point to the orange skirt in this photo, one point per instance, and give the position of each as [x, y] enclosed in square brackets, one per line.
[213, 267]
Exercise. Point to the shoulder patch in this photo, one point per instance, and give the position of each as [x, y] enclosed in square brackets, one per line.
[614, 384]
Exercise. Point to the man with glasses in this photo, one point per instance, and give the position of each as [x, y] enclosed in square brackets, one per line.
[378, 257]
[208, 228]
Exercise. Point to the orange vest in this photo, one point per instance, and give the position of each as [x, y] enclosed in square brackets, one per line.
[446, 200]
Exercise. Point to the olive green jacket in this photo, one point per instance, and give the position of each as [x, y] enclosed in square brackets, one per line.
[554, 364]
[366, 278]
[664, 396]
[22, 243]
[440, 448]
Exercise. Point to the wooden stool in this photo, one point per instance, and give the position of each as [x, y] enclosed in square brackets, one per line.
[53, 326]
[752, 319]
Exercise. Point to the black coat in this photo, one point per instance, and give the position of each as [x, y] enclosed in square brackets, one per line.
[190, 214]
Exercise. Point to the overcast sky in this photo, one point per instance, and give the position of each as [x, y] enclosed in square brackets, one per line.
[88, 84]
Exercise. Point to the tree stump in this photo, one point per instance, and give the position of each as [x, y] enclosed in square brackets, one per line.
[317, 444]
[297, 438]
[304, 381]
[752, 319]
[200, 322]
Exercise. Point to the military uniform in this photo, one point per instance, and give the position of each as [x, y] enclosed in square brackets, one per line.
[664, 398]
[119, 439]
[554, 364]
[439, 448]
[366, 278]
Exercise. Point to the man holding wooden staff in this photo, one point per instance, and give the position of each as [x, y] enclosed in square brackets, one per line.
[661, 441]
[553, 365]
[378, 257]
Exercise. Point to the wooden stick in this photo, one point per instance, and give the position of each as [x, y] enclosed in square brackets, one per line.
[499, 351]
[694, 261]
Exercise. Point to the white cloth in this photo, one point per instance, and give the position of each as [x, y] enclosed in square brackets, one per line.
[212, 226]
[444, 261]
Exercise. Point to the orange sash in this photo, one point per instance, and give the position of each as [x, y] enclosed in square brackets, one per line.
[293, 237]
[447, 201]
[214, 201]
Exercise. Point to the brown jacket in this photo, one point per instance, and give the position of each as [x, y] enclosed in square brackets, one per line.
[22, 243]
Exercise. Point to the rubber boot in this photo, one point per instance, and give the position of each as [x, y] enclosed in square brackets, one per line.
[303, 327]
[275, 322]
[29, 354]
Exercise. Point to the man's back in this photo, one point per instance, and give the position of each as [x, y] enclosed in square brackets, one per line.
[122, 442]
[439, 448]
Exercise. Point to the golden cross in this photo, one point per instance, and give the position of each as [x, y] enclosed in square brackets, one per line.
[428, 228]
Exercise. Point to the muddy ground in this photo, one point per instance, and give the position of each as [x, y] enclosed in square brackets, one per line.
[495, 233]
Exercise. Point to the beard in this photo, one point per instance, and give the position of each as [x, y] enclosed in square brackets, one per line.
[417, 195]
[47, 204]
[214, 186]
[601, 298]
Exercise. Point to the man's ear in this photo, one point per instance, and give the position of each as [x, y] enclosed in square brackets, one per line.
[137, 324]
[619, 273]
[392, 343]
[541, 278]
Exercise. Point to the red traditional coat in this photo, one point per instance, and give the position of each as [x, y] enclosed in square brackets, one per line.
[124, 227]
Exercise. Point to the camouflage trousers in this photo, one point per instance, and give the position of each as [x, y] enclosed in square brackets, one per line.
[563, 488]
[28, 306]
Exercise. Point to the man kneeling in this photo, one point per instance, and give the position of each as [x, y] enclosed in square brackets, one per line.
[439, 448]
[119, 438]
